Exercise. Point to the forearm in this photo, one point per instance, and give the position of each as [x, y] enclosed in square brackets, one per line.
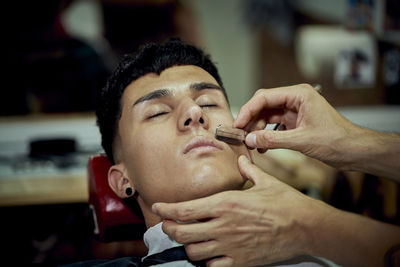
[353, 240]
[372, 152]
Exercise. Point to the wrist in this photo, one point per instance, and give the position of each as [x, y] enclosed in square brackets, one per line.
[373, 152]
[330, 238]
[316, 223]
[353, 147]
[338, 146]
[358, 147]
[352, 240]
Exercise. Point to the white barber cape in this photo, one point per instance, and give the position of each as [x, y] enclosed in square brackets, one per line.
[157, 241]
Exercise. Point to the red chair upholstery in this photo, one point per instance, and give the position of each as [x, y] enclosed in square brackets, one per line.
[115, 219]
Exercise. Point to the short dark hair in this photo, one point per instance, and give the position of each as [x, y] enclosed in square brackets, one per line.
[150, 58]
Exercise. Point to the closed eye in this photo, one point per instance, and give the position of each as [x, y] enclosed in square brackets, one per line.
[208, 105]
[157, 115]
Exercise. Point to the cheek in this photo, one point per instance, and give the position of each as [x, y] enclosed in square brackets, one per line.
[145, 158]
[216, 119]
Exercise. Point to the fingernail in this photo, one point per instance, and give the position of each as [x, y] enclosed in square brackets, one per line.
[154, 208]
[251, 140]
[244, 159]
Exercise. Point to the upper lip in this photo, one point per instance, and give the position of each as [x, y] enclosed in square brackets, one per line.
[199, 141]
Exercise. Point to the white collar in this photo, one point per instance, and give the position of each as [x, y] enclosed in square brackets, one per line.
[157, 241]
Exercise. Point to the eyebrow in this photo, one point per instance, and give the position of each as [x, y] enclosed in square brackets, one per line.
[161, 93]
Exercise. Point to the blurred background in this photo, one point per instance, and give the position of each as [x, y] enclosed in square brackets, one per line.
[58, 53]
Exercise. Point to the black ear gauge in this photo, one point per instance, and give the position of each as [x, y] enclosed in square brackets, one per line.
[129, 191]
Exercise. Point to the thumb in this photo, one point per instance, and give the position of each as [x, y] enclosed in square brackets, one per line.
[252, 172]
[289, 139]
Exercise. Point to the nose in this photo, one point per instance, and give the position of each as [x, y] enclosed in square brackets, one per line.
[192, 117]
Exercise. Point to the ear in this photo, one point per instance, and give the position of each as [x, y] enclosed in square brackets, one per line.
[118, 181]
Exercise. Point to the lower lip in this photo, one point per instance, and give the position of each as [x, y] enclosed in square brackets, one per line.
[203, 150]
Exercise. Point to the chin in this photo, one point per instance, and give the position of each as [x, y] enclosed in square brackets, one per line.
[212, 188]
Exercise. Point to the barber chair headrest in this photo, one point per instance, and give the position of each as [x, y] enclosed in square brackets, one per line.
[114, 219]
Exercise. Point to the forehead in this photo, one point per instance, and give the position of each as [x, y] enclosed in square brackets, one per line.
[176, 78]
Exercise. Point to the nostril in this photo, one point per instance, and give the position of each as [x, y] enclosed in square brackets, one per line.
[201, 120]
[187, 122]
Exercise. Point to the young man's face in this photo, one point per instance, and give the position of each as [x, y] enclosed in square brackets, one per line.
[167, 148]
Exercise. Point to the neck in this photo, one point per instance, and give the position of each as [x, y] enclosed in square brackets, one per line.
[150, 218]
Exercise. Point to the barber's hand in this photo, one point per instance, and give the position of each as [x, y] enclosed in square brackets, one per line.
[266, 223]
[313, 126]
